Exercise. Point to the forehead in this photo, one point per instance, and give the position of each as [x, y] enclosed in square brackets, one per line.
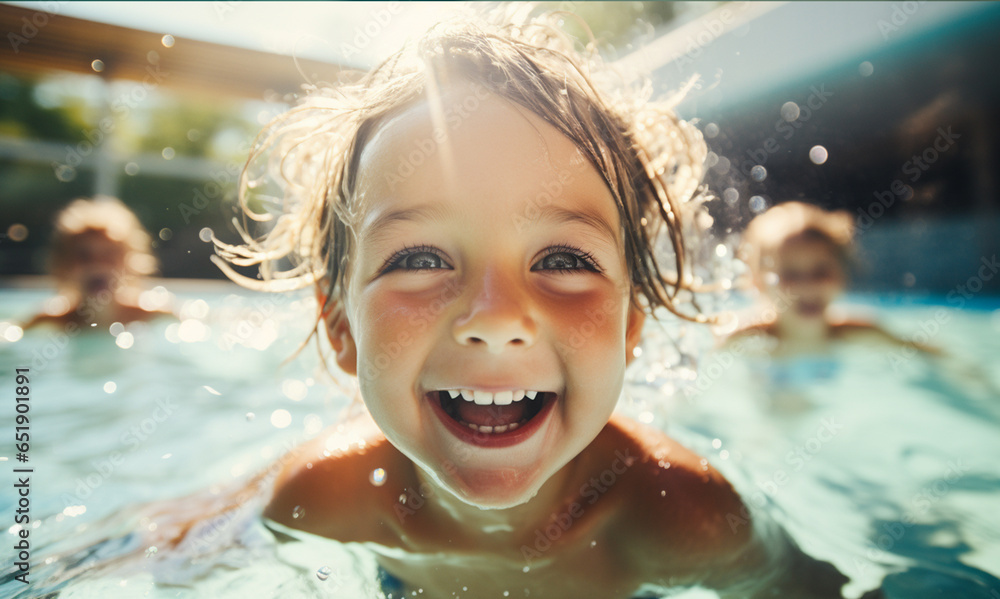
[807, 249]
[465, 143]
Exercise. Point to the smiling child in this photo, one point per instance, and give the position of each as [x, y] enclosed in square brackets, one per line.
[479, 221]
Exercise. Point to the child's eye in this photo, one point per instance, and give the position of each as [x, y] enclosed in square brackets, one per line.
[566, 259]
[415, 258]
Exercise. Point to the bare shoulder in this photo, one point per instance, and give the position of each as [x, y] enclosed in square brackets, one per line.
[326, 487]
[681, 510]
[757, 332]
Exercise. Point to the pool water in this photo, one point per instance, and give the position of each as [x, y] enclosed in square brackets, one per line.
[884, 465]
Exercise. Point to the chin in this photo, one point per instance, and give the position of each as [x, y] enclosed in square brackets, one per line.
[494, 488]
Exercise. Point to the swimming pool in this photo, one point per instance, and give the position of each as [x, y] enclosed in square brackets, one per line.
[886, 467]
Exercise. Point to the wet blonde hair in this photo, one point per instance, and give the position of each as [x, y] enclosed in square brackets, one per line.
[107, 216]
[771, 230]
[651, 160]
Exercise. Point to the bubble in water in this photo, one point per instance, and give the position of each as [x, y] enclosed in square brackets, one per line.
[110, 387]
[298, 512]
[151, 551]
[168, 153]
[790, 111]
[193, 135]
[758, 173]
[866, 69]
[167, 41]
[166, 234]
[402, 498]
[723, 165]
[324, 572]
[97, 65]
[377, 477]
[909, 280]
[730, 195]
[711, 130]
[721, 250]
[818, 154]
[663, 493]
[757, 204]
[250, 416]
[17, 232]
[116, 328]
[153, 57]
[506, 593]
[65, 173]
[205, 234]
[131, 169]
[711, 159]
[526, 569]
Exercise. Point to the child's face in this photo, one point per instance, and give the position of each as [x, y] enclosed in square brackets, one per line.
[809, 275]
[488, 258]
[94, 262]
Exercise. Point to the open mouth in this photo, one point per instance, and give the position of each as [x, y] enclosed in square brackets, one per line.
[491, 419]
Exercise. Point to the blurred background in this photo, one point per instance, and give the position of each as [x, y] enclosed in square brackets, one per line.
[887, 110]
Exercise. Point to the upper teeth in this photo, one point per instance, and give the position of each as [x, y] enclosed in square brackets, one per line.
[485, 398]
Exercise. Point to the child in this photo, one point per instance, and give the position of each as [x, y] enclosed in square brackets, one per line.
[478, 219]
[798, 255]
[99, 251]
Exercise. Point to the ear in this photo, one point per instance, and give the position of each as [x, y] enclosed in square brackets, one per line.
[338, 330]
[633, 330]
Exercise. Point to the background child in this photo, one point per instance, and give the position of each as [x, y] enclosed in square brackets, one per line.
[99, 254]
[479, 220]
[799, 257]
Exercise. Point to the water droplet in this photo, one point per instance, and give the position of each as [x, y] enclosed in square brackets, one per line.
[818, 154]
[324, 572]
[125, 340]
[757, 204]
[866, 69]
[298, 512]
[167, 41]
[790, 111]
[250, 416]
[711, 130]
[65, 173]
[281, 418]
[758, 173]
[377, 477]
[97, 65]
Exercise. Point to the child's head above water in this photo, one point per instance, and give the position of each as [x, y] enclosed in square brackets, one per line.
[800, 254]
[480, 219]
[98, 244]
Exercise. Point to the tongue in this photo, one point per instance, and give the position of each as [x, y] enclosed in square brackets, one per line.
[491, 415]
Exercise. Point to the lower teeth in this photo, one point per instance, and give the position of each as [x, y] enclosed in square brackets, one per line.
[500, 428]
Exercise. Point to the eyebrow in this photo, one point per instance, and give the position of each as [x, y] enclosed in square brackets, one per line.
[378, 227]
[588, 218]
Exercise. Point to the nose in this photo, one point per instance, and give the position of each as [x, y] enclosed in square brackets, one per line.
[498, 315]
